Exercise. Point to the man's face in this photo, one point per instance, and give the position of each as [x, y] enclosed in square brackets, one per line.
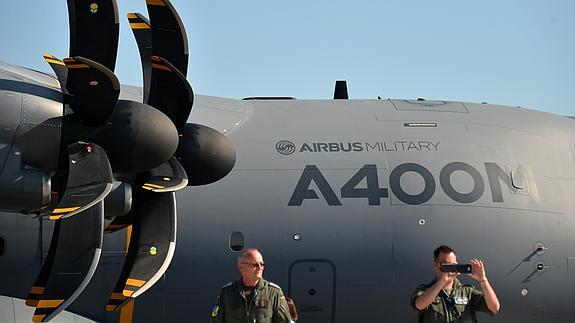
[446, 259]
[252, 267]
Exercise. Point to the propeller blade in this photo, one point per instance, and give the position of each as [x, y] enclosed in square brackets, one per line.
[340, 92]
[170, 92]
[94, 30]
[89, 180]
[165, 43]
[152, 246]
[168, 34]
[119, 223]
[59, 69]
[95, 89]
[169, 177]
[143, 33]
[72, 260]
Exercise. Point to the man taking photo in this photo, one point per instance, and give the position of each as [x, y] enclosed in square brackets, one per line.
[445, 299]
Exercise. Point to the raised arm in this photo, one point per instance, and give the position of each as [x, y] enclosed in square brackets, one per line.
[478, 273]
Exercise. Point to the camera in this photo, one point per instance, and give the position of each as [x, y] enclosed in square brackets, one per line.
[459, 268]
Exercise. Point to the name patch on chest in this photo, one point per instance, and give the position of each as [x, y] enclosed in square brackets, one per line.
[461, 300]
[261, 303]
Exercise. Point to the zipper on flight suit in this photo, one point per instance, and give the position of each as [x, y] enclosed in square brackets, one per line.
[249, 305]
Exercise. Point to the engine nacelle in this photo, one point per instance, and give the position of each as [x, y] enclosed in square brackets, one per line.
[23, 191]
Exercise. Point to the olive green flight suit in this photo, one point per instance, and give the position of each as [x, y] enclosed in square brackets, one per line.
[266, 305]
[460, 307]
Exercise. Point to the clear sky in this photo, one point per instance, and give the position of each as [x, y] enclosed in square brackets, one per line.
[511, 52]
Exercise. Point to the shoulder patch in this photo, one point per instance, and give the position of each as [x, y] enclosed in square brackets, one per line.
[215, 310]
[274, 285]
[228, 285]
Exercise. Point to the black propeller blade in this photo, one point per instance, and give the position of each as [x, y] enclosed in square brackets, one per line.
[95, 90]
[89, 180]
[60, 69]
[152, 245]
[168, 177]
[143, 33]
[169, 35]
[170, 92]
[94, 30]
[72, 260]
[165, 44]
[119, 223]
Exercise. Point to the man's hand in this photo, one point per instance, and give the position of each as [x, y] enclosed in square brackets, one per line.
[446, 279]
[477, 270]
[478, 273]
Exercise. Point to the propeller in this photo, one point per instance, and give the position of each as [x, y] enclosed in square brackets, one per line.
[163, 47]
[106, 140]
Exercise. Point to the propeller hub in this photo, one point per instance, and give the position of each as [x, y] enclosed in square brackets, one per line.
[137, 137]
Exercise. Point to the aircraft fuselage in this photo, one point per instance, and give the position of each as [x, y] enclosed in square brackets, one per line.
[346, 200]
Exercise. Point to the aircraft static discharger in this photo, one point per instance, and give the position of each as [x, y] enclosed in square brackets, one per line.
[346, 199]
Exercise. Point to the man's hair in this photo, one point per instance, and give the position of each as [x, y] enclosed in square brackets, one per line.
[442, 249]
[246, 253]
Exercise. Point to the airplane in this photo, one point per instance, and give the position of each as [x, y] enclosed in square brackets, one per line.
[126, 204]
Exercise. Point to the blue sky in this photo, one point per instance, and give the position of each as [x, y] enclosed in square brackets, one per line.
[511, 52]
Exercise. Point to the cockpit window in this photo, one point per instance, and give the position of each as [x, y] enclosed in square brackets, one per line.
[236, 241]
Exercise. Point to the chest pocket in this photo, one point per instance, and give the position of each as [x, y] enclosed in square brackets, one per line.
[461, 303]
[438, 310]
[262, 310]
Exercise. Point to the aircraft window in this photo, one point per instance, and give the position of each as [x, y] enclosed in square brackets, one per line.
[236, 241]
[2, 246]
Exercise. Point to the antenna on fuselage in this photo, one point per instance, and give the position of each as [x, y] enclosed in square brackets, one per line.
[340, 92]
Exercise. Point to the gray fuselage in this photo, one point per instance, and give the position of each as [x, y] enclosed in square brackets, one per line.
[346, 200]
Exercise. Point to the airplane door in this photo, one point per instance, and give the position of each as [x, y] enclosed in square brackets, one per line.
[312, 286]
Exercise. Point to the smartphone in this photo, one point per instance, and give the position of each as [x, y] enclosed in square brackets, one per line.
[459, 268]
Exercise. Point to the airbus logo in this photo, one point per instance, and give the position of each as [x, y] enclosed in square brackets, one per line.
[285, 147]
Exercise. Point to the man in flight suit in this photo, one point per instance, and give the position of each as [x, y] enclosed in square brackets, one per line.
[445, 299]
[251, 299]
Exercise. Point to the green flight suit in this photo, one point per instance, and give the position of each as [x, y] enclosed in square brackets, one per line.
[266, 305]
[460, 307]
